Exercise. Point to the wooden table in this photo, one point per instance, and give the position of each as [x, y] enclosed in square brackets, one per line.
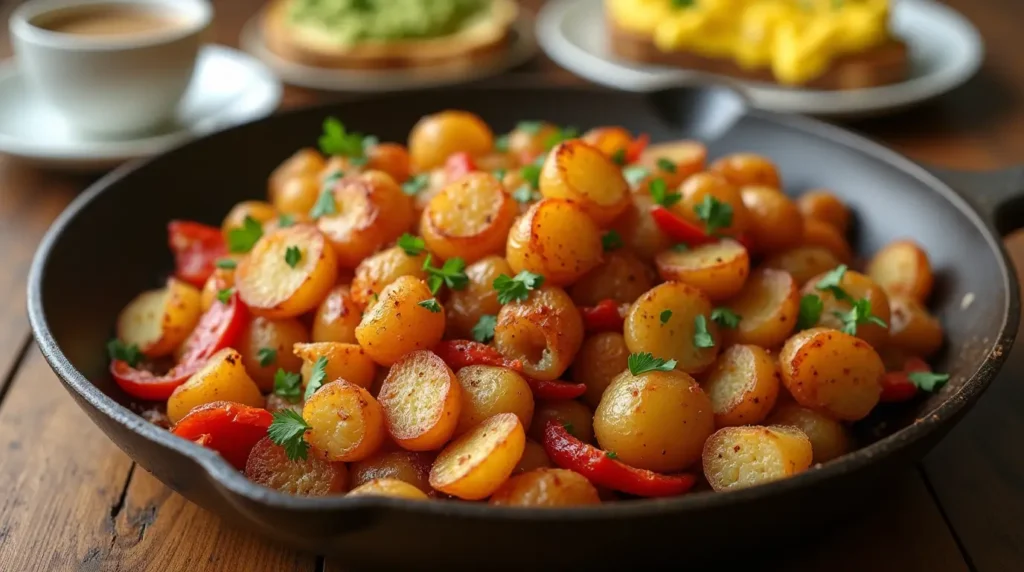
[70, 500]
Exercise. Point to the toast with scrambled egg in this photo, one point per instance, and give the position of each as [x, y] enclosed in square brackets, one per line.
[374, 34]
[821, 44]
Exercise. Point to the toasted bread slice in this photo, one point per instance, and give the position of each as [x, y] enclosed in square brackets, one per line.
[311, 46]
[884, 64]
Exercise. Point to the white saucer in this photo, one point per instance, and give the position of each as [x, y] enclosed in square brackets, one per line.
[229, 87]
[522, 46]
[945, 51]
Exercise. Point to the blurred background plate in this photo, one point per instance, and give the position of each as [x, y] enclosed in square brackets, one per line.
[522, 46]
[945, 51]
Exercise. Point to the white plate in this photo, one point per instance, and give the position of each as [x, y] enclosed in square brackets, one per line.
[522, 47]
[229, 87]
[945, 51]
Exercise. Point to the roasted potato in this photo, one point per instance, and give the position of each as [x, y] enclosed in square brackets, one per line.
[544, 332]
[407, 466]
[346, 422]
[832, 372]
[305, 162]
[803, 262]
[390, 158]
[266, 346]
[546, 487]
[902, 269]
[479, 298]
[259, 211]
[823, 234]
[383, 268]
[687, 157]
[489, 390]
[912, 328]
[575, 416]
[829, 438]
[581, 173]
[337, 317]
[401, 321]
[775, 221]
[297, 195]
[737, 457]
[470, 218]
[743, 386]
[557, 239]
[388, 488]
[222, 378]
[666, 322]
[822, 205]
[269, 466]
[719, 269]
[621, 277]
[856, 286]
[158, 321]
[344, 361]
[476, 464]
[534, 457]
[287, 273]
[768, 306]
[748, 169]
[422, 401]
[221, 279]
[602, 357]
[435, 137]
[638, 230]
[695, 191]
[530, 139]
[613, 141]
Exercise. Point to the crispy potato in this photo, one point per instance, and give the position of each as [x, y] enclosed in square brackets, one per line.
[828, 437]
[645, 331]
[422, 401]
[260, 211]
[222, 378]
[621, 277]
[544, 332]
[768, 307]
[583, 174]
[346, 422]
[530, 139]
[337, 317]
[902, 268]
[737, 457]
[407, 466]
[577, 417]
[269, 466]
[390, 158]
[296, 195]
[822, 205]
[832, 372]
[823, 234]
[534, 457]
[470, 218]
[695, 190]
[344, 361]
[276, 335]
[775, 222]
[857, 286]
[803, 262]
[687, 158]
[398, 324]
[158, 321]
[435, 137]
[748, 169]
[602, 357]
[557, 239]
[370, 210]
[307, 161]
[488, 390]
[638, 230]
[546, 487]
[657, 420]
[388, 488]
[479, 298]
[383, 268]
[476, 464]
[912, 328]
[273, 288]
[612, 141]
[718, 269]
[743, 386]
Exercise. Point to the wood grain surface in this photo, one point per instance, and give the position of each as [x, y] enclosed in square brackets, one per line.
[70, 500]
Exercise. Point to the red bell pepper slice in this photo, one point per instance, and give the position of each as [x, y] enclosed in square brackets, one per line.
[459, 164]
[143, 384]
[460, 353]
[678, 228]
[196, 248]
[545, 389]
[896, 385]
[231, 429]
[607, 316]
[636, 147]
[570, 453]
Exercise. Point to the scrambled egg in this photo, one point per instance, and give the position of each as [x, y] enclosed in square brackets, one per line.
[796, 39]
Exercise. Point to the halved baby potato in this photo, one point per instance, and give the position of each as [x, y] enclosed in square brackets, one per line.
[557, 239]
[748, 169]
[579, 172]
[546, 487]
[422, 400]
[479, 298]
[337, 317]
[823, 234]
[287, 273]
[829, 438]
[388, 488]
[664, 322]
[737, 457]
[856, 286]
[402, 320]
[742, 386]
[902, 268]
[488, 390]
[270, 466]
[277, 336]
[803, 262]
[344, 361]
[768, 306]
[775, 221]
[718, 269]
[544, 332]
[822, 205]
[346, 422]
[469, 218]
[411, 467]
[378, 271]
[158, 321]
[534, 457]
[912, 328]
[222, 378]
[603, 356]
[686, 157]
[621, 276]
[476, 464]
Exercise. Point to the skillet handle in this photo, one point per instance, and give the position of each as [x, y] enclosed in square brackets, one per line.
[998, 196]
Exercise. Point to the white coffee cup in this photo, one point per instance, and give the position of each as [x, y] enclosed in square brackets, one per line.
[110, 85]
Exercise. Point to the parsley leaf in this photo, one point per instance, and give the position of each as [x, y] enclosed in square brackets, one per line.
[288, 385]
[324, 205]
[714, 213]
[927, 380]
[292, 256]
[523, 194]
[227, 263]
[666, 165]
[483, 331]
[285, 220]
[568, 427]
[531, 174]
[611, 454]
[665, 316]
[619, 157]
[681, 247]
[242, 239]
[119, 351]
[412, 245]
[451, 273]
[832, 281]
[561, 135]
[659, 192]
[499, 174]
[431, 305]
[811, 307]
[335, 140]
[224, 295]
[501, 143]
[645, 362]
[266, 356]
[725, 317]
[701, 336]
[517, 288]
[611, 240]
[317, 377]
[288, 429]
[634, 174]
[859, 314]
[415, 184]
[530, 127]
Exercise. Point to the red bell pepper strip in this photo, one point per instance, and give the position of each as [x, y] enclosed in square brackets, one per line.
[196, 248]
[896, 385]
[143, 384]
[636, 147]
[607, 316]
[460, 353]
[459, 164]
[570, 453]
[231, 429]
[678, 228]
[545, 389]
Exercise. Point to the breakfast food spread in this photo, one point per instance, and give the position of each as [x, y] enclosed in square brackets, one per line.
[827, 44]
[540, 318]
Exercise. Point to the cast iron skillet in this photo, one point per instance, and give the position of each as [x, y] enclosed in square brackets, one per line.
[110, 244]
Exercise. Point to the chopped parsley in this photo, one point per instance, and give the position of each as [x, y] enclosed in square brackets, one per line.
[928, 381]
[242, 239]
[725, 317]
[681, 247]
[831, 282]
[266, 356]
[415, 184]
[659, 192]
[563, 134]
[611, 454]
[666, 165]
[523, 194]
[715, 214]
[118, 350]
[517, 288]
[859, 314]
[665, 316]
[619, 157]
[811, 307]
[530, 127]
[335, 140]
[483, 331]
[701, 336]
[412, 245]
[227, 264]
[288, 385]
[292, 256]
[645, 362]
[611, 240]
[501, 144]
[288, 429]
[431, 305]
[452, 273]
[531, 174]
[325, 205]
[225, 295]
[285, 220]
[634, 174]
[317, 377]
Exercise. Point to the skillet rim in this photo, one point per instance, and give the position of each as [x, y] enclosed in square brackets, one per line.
[223, 476]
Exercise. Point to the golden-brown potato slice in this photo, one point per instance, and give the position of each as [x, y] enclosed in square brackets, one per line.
[270, 466]
[856, 286]
[687, 157]
[470, 218]
[803, 262]
[544, 332]
[546, 487]
[621, 277]
[696, 190]
[305, 162]
[912, 328]
[436, 136]
[534, 457]
[422, 400]
[581, 173]
[775, 222]
[737, 457]
[266, 346]
[297, 195]
[337, 317]
[823, 234]
[824, 206]
[344, 361]
[602, 357]
[556, 239]
[477, 463]
[222, 378]
[479, 298]
[346, 422]
[743, 386]
[657, 420]
[577, 418]
[718, 269]
[748, 169]
[530, 138]
[829, 438]
[832, 372]
[639, 231]
[272, 286]
[408, 466]
[401, 321]
[158, 321]
[388, 488]
[391, 158]
[902, 268]
[768, 306]
[488, 390]
[383, 268]
[664, 322]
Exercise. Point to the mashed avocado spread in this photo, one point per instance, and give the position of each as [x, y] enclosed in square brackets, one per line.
[350, 21]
